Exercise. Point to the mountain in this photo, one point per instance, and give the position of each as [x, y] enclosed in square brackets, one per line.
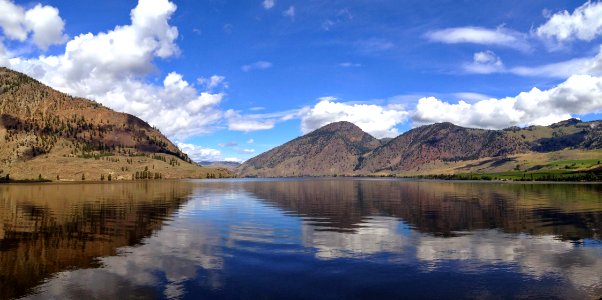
[231, 165]
[336, 148]
[441, 147]
[447, 142]
[48, 134]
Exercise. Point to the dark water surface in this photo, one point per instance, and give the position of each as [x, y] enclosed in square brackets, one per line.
[301, 239]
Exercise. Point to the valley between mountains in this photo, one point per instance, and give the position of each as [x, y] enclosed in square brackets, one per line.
[47, 135]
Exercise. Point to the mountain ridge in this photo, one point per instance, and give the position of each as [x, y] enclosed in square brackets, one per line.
[431, 146]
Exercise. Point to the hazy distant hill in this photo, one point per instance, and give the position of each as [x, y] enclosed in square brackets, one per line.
[442, 147]
[221, 164]
[332, 149]
[48, 133]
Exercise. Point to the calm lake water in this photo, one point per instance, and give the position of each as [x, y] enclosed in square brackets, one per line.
[301, 239]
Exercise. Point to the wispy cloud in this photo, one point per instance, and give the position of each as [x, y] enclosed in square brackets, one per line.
[213, 82]
[259, 65]
[246, 151]
[341, 16]
[228, 144]
[248, 123]
[349, 65]
[373, 45]
[290, 12]
[500, 36]
[268, 4]
[487, 62]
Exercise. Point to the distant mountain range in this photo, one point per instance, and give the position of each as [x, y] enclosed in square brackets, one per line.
[232, 165]
[46, 134]
[342, 148]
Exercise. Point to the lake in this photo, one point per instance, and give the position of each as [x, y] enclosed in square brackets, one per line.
[301, 239]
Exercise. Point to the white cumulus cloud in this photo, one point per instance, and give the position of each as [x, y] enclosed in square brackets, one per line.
[46, 25]
[485, 62]
[12, 20]
[580, 94]
[376, 120]
[110, 67]
[585, 23]
[42, 21]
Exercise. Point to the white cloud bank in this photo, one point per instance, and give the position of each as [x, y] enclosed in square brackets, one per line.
[580, 94]
[376, 120]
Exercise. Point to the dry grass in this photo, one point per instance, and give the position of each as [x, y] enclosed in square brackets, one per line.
[528, 161]
[60, 165]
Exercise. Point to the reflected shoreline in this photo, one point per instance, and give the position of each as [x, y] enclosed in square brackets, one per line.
[156, 238]
[70, 226]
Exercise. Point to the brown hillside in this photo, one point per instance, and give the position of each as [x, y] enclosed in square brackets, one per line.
[443, 141]
[40, 126]
[450, 143]
[333, 149]
[431, 148]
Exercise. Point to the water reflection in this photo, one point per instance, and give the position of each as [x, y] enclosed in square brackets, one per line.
[571, 212]
[46, 229]
[303, 239]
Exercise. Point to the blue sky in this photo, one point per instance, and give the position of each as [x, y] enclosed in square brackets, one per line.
[231, 79]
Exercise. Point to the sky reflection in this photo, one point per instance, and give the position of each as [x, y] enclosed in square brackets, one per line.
[244, 239]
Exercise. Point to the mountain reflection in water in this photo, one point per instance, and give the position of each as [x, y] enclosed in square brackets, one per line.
[312, 238]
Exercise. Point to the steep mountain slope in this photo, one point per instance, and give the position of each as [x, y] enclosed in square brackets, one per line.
[326, 151]
[333, 149]
[48, 133]
[450, 143]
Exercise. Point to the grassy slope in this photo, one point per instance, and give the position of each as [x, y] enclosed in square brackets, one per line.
[515, 167]
[60, 162]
